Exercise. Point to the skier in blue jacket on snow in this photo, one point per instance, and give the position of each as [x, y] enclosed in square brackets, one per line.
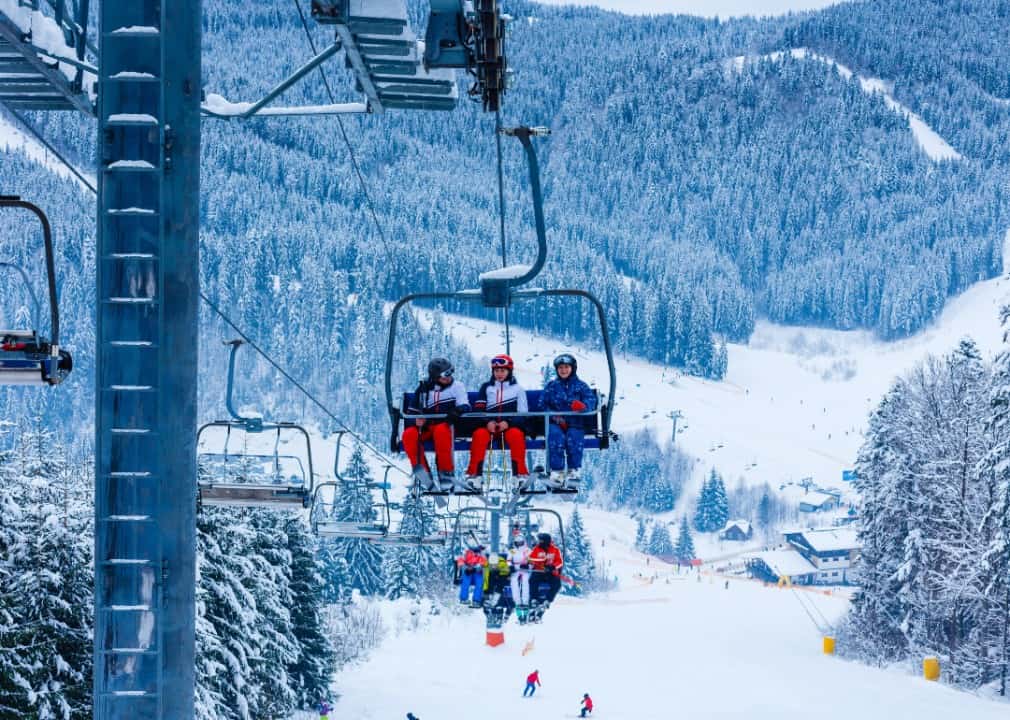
[566, 433]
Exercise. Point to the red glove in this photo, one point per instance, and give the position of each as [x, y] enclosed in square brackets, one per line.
[578, 405]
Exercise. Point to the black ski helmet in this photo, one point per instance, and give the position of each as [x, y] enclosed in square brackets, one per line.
[544, 537]
[439, 367]
[566, 359]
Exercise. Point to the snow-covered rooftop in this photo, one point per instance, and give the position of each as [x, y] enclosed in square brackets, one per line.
[832, 539]
[742, 524]
[817, 498]
[785, 562]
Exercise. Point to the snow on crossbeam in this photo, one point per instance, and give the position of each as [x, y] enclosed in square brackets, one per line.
[506, 273]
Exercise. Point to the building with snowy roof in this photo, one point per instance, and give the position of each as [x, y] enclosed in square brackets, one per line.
[776, 565]
[834, 552]
[737, 530]
[818, 501]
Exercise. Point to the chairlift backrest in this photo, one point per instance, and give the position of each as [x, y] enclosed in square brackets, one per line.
[26, 356]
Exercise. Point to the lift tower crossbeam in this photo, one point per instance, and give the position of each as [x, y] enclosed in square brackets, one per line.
[146, 380]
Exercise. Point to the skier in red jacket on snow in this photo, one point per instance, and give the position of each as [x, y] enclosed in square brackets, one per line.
[532, 680]
[587, 705]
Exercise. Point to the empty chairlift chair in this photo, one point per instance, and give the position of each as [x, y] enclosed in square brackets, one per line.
[244, 476]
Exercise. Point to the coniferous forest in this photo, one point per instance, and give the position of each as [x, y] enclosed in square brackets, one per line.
[691, 193]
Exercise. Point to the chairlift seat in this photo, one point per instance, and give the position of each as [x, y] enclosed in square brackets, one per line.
[253, 495]
[350, 529]
[535, 439]
[28, 359]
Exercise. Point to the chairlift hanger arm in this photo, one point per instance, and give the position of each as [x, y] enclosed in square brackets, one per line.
[47, 237]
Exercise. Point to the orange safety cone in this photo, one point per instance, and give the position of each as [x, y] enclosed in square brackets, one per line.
[495, 638]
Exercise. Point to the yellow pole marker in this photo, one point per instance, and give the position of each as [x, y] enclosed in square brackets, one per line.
[931, 668]
[829, 645]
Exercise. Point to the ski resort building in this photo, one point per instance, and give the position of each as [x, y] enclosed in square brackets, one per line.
[738, 530]
[834, 552]
[811, 557]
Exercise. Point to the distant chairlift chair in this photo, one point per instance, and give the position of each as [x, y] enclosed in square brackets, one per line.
[244, 479]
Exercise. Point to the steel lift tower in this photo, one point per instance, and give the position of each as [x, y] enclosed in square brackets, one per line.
[149, 105]
[146, 383]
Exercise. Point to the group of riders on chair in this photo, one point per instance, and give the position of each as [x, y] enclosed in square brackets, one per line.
[523, 579]
[442, 394]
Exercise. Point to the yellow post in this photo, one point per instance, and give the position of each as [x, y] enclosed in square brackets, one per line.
[829, 645]
[931, 668]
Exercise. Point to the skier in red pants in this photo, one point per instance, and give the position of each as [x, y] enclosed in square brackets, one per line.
[587, 705]
[440, 393]
[500, 394]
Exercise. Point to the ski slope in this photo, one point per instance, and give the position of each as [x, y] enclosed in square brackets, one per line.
[794, 402]
[930, 141]
[675, 647]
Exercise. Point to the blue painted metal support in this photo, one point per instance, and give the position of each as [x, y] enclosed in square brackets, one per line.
[145, 447]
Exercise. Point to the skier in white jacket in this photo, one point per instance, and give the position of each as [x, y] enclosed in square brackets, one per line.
[519, 560]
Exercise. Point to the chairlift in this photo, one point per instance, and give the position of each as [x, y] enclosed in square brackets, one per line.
[323, 522]
[241, 478]
[377, 530]
[26, 356]
[499, 289]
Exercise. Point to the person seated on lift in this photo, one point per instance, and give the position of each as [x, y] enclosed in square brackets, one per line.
[566, 433]
[440, 393]
[546, 562]
[501, 394]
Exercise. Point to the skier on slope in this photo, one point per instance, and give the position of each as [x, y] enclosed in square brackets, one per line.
[587, 705]
[324, 710]
[532, 680]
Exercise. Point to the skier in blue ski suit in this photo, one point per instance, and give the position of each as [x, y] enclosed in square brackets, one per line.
[566, 433]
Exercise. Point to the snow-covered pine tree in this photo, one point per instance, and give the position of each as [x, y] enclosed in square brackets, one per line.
[659, 541]
[703, 507]
[580, 565]
[882, 483]
[415, 570]
[993, 632]
[223, 607]
[336, 575]
[310, 674]
[274, 599]
[46, 599]
[353, 502]
[641, 537]
[719, 513]
[684, 551]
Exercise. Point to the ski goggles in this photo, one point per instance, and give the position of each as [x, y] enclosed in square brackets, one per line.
[564, 360]
[446, 373]
[499, 362]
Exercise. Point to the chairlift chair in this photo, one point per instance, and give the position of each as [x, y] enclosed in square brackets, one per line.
[245, 479]
[323, 522]
[499, 289]
[26, 356]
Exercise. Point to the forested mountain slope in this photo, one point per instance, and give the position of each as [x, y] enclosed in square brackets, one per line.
[689, 195]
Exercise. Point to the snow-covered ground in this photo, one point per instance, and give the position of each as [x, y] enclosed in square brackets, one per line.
[927, 138]
[705, 8]
[661, 648]
[794, 402]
